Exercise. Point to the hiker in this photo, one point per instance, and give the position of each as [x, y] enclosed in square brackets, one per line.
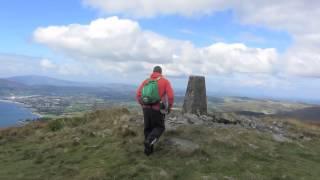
[156, 97]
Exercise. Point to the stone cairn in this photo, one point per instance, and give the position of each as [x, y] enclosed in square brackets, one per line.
[195, 101]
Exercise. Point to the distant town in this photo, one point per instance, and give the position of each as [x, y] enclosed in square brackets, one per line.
[59, 105]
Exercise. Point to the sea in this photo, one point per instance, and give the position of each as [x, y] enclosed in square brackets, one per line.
[12, 113]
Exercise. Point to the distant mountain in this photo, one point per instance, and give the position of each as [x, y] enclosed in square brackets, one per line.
[4, 83]
[47, 86]
[8, 87]
[120, 87]
[32, 80]
[44, 81]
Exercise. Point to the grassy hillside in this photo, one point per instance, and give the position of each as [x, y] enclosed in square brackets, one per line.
[108, 145]
[309, 114]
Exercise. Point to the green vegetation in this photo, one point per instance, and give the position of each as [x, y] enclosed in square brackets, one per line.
[107, 144]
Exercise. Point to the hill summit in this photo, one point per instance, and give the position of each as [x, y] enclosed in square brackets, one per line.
[107, 144]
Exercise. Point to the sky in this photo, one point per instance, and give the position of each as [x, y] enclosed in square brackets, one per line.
[243, 48]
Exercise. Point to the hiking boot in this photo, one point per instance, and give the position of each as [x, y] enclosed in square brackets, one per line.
[153, 141]
[148, 148]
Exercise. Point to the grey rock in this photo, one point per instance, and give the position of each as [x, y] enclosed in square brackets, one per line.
[163, 173]
[307, 138]
[172, 118]
[226, 118]
[104, 133]
[253, 146]
[173, 121]
[206, 118]
[183, 145]
[124, 118]
[192, 119]
[280, 138]
[76, 141]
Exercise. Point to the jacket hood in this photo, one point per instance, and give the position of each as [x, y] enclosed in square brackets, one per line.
[155, 75]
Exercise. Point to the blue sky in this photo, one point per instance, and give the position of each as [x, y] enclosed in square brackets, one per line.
[19, 22]
[239, 49]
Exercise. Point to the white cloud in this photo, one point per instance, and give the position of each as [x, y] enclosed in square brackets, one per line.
[121, 45]
[64, 68]
[228, 58]
[304, 63]
[297, 17]
[108, 39]
[47, 64]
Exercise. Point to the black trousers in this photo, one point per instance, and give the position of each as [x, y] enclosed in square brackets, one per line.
[153, 124]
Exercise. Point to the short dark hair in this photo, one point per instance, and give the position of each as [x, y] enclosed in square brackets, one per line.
[157, 69]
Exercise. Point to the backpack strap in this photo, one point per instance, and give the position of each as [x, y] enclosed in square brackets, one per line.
[149, 79]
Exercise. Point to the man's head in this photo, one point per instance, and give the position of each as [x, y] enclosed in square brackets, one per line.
[157, 69]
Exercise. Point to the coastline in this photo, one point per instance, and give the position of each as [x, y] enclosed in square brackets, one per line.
[33, 111]
[13, 102]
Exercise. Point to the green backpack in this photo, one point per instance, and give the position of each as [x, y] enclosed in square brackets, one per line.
[150, 94]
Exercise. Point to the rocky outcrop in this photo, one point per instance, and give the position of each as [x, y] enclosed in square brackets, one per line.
[227, 120]
[178, 119]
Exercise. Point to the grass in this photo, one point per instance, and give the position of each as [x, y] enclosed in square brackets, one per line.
[107, 145]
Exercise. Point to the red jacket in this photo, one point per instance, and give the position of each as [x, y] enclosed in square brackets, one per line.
[165, 91]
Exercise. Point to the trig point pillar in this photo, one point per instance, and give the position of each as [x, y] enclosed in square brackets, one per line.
[195, 100]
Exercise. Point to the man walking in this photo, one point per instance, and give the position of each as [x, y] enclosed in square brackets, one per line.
[156, 97]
